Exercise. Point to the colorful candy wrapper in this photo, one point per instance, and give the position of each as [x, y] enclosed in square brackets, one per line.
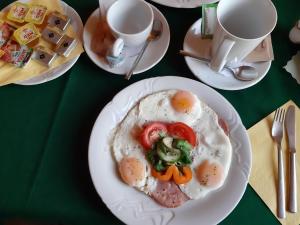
[44, 55]
[58, 20]
[51, 35]
[18, 12]
[65, 46]
[26, 34]
[6, 32]
[17, 54]
[36, 14]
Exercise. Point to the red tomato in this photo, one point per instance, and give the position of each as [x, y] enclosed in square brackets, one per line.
[150, 134]
[183, 131]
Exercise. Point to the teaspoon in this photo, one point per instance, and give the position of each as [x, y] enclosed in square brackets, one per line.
[155, 34]
[243, 73]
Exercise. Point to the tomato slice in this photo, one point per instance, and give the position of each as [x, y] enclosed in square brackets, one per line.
[151, 132]
[181, 130]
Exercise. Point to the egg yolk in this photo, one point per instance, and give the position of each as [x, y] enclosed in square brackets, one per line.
[131, 170]
[183, 101]
[209, 174]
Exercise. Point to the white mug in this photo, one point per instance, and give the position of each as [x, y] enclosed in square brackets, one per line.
[241, 26]
[130, 20]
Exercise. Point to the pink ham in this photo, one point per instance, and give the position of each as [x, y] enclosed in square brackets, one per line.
[168, 194]
[224, 126]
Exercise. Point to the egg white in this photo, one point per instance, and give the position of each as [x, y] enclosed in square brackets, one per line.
[213, 144]
[125, 145]
[158, 107]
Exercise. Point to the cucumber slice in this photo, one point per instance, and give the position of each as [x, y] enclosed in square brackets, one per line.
[181, 144]
[167, 141]
[168, 154]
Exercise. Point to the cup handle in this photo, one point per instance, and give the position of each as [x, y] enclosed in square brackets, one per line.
[117, 47]
[219, 59]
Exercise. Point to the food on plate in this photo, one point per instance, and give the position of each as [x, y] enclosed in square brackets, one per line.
[209, 174]
[65, 46]
[172, 147]
[36, 14]
[6, 32]
[18, 12]
[131, 170]
[51, 35]
[1, 53]
[59, 20]
[27, 34]
[44, 55]
[17, 54]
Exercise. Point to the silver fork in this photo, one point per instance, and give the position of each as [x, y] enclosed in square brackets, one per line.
[277, 133]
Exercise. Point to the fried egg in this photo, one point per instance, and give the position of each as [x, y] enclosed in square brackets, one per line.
[211, 155]
[171, 106]
[126, 146]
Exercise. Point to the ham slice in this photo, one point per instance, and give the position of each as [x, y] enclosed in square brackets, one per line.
[168, 194]
[224, 126]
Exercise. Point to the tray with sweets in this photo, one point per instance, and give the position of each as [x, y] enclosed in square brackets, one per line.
[31, 28]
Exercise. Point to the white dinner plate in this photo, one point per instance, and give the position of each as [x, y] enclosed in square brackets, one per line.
[184, 3]
[194, 43]
[153, 54]
[60, 70]
[134, 207]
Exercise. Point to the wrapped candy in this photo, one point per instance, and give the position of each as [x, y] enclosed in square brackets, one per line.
[6, 32]
[51, 35]
[17, 54]
[65, 46]
[27, 34]
[18, 12]
[58, 20]
[36, 14]
[44, 55]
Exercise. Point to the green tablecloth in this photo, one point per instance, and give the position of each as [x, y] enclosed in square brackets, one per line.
[45, 129]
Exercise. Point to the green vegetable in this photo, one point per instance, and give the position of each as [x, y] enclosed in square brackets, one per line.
[168, 151]
[159, 166]
[167, 141]
[181, 144]
[185, 148]
[167, 154]
[151, 156]
[161, 134]
[185, 157]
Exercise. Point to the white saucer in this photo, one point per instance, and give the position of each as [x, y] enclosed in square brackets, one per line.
[195, 44]
[57, 72]
[153, 54]
[184, 3]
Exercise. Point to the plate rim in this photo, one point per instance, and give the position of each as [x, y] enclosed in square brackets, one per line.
[93, 134]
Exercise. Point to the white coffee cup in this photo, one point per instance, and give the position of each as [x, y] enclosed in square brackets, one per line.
[241, 26]
[130, 20]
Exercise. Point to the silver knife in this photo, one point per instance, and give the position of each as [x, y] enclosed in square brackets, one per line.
[290, 123]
